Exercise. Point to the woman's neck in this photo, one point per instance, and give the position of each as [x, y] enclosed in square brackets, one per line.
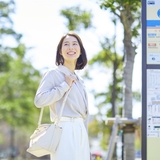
[70, 66]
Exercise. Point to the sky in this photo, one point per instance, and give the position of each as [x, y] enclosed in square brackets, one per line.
[42, 27]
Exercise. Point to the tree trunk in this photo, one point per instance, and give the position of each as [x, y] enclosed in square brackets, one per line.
[114, 92]
[129, 153]
[113, 100]
[129, 55]
[12, 134]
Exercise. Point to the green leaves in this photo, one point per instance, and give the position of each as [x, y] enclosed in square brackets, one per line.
[77, 18]
[18, 86]
[18, 78]
[128, 11]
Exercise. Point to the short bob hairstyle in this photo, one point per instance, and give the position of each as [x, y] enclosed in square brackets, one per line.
[81, 61]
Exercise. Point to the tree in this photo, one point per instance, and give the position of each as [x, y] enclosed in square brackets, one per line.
[77, 18]
[18, 86]
[128, 12]
[18, 78]
[109, 59]
[6, 9]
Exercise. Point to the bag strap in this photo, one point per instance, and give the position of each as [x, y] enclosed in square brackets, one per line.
[61, 110]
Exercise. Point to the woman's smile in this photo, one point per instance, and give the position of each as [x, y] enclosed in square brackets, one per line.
[71, 53]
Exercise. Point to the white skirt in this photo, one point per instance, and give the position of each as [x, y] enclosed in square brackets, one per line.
[74, 144]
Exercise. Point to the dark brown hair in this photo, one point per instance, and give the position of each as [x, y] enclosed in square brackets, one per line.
[81, 61]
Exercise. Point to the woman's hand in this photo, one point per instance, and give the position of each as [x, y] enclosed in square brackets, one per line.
[69, 80]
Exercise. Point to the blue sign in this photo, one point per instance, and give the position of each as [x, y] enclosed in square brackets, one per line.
[153, 23]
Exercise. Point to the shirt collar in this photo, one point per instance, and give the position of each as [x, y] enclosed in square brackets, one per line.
[66, 71]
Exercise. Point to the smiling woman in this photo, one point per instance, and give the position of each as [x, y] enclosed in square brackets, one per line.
[71, 49]
[71, 56]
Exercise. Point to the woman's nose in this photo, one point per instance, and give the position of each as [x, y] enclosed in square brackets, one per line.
[70, 46]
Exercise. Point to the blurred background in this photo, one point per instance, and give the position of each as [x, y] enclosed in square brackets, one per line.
[29, 33]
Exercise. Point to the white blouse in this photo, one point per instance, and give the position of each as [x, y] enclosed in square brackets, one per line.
[52, 89]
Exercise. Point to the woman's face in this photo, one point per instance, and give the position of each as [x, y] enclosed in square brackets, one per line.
[70, 49]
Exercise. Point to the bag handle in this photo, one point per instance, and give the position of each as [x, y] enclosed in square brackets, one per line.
[61, 110]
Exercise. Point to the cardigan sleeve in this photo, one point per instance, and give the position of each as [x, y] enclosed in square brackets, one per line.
[48, 93]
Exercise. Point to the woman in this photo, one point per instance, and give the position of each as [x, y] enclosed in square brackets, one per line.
[55, 83]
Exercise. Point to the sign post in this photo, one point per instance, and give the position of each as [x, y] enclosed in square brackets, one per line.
[150, 79]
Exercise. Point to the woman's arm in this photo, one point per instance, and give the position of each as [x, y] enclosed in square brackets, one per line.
[47, 92]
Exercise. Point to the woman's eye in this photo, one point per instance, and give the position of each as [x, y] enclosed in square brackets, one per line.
[65, 44]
